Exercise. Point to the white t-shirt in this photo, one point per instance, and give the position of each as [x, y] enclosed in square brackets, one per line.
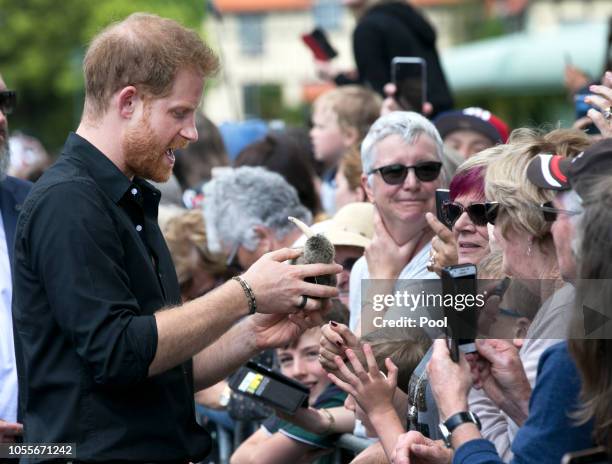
[415, 269]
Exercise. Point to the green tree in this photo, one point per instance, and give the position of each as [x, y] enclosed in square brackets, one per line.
[41, 50]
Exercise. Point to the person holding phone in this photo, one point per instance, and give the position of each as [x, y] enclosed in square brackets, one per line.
[386, 29]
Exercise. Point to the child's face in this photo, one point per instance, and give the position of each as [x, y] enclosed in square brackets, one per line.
[352, 405]
[327, 138]
[301, 362]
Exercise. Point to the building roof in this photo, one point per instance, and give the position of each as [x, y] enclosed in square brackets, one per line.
[252, 6]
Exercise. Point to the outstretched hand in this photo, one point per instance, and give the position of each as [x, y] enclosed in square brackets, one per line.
[371, 389]
[443, 246]
[335, 339]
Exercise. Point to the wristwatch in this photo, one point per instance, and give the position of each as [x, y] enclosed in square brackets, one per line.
[454, 421]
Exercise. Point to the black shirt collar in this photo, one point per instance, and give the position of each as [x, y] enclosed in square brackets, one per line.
[104, 172]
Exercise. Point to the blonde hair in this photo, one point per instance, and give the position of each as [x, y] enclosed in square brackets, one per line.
[143, 50]
[506, 179]
[350, 166]
[185, 235]
[355, 107]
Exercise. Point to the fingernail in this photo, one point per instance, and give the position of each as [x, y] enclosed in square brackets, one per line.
[333, 323]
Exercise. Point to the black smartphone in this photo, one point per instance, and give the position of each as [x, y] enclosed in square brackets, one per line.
[409, 74]
[270, 387]
[589, 456]
[462, 319]
[319, 45]
[442, 196]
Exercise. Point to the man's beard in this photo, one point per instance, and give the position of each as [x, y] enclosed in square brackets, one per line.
[145, 154]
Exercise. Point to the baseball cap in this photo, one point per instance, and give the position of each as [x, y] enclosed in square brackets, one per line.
[476, 119]
[554, 172]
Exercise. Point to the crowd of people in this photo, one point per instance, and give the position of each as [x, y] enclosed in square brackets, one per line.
[142, 269]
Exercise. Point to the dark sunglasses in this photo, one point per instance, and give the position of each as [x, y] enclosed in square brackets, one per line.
[477, 212]
[395, 174]
[550, 212]
[492, 212]
[8, 101]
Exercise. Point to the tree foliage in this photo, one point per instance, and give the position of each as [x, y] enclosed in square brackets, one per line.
[42, 43]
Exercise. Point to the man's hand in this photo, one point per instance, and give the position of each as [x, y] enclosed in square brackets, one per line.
[276, 330]
[335, 339]
[450, 381]
[9, 431]
[415, 448]
[443, 246]
[500, 373]
[279, 286]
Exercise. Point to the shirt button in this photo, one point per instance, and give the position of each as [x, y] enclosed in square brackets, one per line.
[134, 191]
[139, 228]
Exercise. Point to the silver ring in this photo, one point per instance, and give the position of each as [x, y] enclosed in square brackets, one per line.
[608, 114]
[302, 304]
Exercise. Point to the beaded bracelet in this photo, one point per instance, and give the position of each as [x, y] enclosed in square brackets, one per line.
[248, 291]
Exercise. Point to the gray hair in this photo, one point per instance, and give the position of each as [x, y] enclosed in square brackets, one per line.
[409, 126]
[242, 198]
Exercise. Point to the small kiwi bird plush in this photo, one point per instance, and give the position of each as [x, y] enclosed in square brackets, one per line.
[317, 249]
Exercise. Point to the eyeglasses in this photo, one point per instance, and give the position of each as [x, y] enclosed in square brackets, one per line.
[8, 101]
[395, 174]
[477, 212]
[551, 213]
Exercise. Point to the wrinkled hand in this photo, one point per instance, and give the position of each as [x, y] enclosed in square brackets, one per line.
[500, 373]
[9, 431]
[415, 448]
[277, 330]
[371, 389]
[443, 246]
[335, 339]
[385, 258]
[450, 382]
[278, 286]
[602, 99]
[390, 103]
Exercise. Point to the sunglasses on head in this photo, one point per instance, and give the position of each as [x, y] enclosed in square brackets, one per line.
[550, 212]
[395, 174]
[477, 212]
[8, 101]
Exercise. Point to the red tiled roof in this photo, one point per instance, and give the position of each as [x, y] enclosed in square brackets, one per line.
[247, 6]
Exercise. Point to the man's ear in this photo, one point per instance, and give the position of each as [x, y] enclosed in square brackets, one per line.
[367, 188]
[126, 101]
[350, 136]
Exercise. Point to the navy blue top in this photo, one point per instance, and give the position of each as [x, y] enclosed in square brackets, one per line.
[549, 431]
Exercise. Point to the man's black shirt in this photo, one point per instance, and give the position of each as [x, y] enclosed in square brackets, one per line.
[91, 268]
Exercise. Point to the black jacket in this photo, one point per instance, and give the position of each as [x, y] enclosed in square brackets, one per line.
[397, 29]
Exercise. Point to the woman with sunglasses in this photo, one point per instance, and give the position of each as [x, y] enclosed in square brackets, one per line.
[465, 214]
[403, 165]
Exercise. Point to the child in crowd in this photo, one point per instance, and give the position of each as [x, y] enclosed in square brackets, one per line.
[378, 392]
[279, 441]
[340, 120]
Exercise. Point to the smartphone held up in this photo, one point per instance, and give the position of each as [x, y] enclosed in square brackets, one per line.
[409, 74]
